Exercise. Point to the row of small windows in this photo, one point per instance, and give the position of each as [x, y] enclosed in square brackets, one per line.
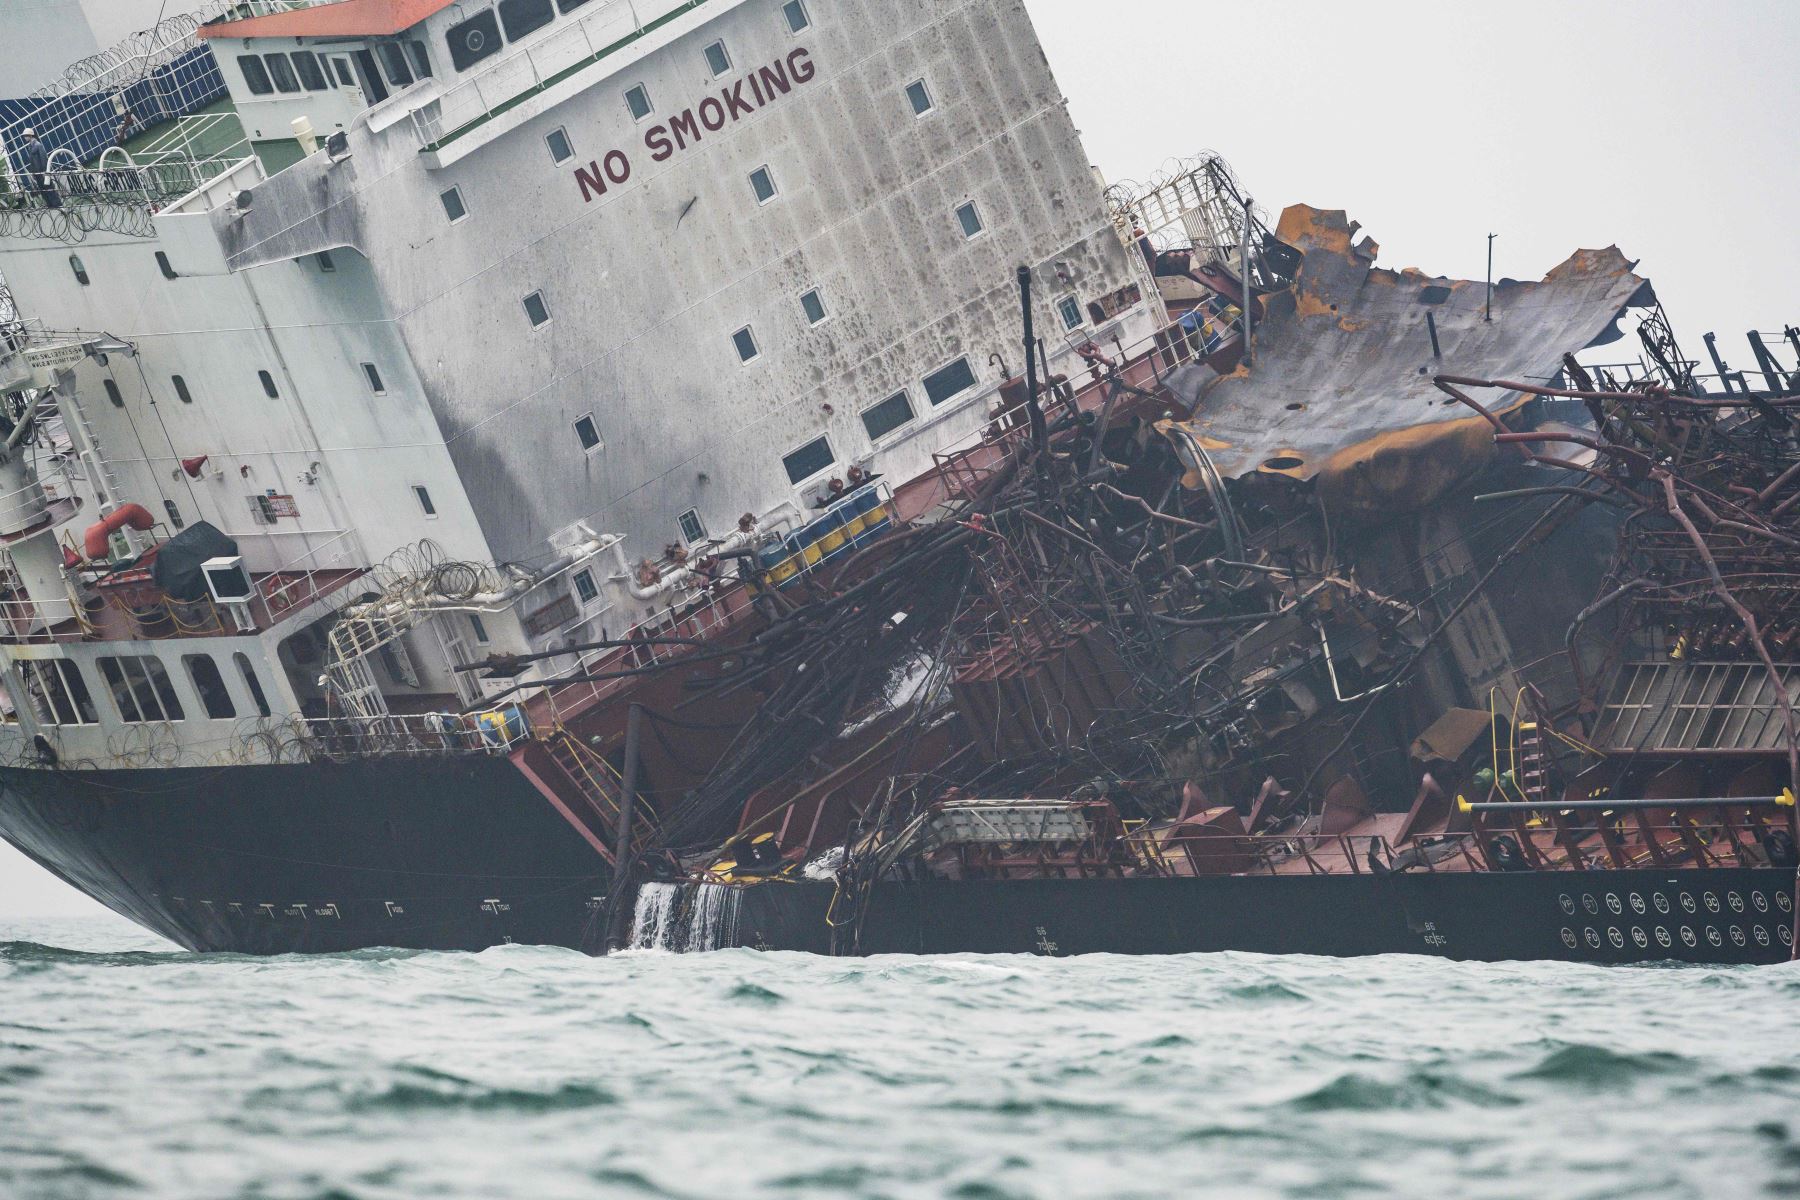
[479, 37]
[139, 684]
[880, 420]
[371, 374]
[400, 63]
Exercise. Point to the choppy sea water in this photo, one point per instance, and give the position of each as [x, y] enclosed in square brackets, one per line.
[130, 1070]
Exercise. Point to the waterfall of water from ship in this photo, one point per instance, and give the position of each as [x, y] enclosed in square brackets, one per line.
[685, 917]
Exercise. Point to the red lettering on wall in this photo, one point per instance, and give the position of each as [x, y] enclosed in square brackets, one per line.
[801, 64]
[774, 77]
[734, 101]
[656, 138]
[713, 119]
[684, 121]
[592, 182]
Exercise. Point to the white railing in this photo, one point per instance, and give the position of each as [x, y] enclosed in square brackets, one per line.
[501, 85]
[302, 579]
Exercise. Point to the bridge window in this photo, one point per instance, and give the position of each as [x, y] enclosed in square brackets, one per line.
[141, 688]
[421, 61]
[56, 691]
[888, 416]
[795, 12]
[209, 685]
[942, 384]
[282, 72]
[394, 64]
[253, 683]
[306, 66]
[520, 17]
[808, 460]
[569, 5]
[473, 40]
[256, 76]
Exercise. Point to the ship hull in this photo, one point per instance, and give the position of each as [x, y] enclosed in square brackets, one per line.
[1719, 915]
[427, 853]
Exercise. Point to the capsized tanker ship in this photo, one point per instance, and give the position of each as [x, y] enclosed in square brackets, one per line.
[727, 474]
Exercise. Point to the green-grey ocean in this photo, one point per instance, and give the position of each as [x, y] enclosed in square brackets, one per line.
[128, 1069]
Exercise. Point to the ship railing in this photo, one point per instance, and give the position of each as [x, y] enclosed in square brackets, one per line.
[412, 735]
[1144, 363]
[47, 621]
[848, 523]
[544, 63]
[658, 640]
[316, 571]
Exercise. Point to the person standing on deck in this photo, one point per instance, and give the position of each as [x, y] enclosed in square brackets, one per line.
[37, 161]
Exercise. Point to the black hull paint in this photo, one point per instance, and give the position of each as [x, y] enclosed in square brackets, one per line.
[431, 853]
[1491, 917]
[464, 854]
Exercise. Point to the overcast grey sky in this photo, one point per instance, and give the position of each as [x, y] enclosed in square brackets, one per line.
[1663, 127]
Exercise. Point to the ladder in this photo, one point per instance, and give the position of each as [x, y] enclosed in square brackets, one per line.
[598, 785]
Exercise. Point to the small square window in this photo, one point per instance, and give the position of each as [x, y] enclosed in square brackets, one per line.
[323, 259]
[561, 151]
[795, 12]
[887, 416]
[453, 205]
[717, 60]
[970, 219]
[588, 433]
[920, 96]
[808, 460]
[1070, 308]
[584, 586]
[374, 378]
[536, 309]
[637, 99]
[693, 530]
[813, 305]
[763, 184]
[952, 380]
[424, 498]
[745, 341]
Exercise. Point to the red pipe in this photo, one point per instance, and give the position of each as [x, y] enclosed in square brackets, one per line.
[97, 540]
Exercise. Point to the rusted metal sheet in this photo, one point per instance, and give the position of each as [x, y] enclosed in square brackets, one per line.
[1342, 382]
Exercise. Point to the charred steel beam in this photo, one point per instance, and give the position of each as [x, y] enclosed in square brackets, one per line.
[621, 881]
[1033, 411]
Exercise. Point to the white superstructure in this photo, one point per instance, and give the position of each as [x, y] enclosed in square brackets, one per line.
[551, 288]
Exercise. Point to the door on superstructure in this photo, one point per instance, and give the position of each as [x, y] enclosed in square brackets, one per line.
[343, 76]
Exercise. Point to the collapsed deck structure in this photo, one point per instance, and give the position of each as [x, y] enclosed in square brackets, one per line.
[1394, 627]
